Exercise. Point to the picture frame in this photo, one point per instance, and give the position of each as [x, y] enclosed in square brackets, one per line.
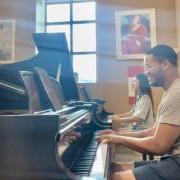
[135, 33]
[7, 41]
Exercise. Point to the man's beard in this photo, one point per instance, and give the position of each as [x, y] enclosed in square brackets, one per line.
[158, 80]
[157, 84]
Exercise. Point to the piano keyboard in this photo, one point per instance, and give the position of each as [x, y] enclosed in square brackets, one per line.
[80, 155]
[100, 166]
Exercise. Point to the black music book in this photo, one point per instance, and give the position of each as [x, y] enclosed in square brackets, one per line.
[51, 88]
[32, 91]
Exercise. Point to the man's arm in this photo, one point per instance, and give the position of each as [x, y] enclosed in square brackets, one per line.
[158, 144]
[139, 134]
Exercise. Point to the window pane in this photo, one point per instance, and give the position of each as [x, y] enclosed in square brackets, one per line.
[84, 11]
[80, 0]
[60, 28]
[84, 37]
[57, 1]
[58, 12]
[83, 62]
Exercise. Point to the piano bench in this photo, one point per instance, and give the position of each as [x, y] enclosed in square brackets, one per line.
[147, 157]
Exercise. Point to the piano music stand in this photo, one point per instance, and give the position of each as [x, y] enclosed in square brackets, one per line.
[49, 89]
[58, 89]
[31, 90]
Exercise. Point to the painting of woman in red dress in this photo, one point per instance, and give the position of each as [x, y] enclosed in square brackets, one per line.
[135, 32]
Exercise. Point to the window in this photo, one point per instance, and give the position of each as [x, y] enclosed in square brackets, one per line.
[81, 63]
[77, 18]
[84, 37]
[58, 12]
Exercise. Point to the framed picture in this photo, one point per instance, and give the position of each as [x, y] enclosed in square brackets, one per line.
[135, 33]
[7, 41]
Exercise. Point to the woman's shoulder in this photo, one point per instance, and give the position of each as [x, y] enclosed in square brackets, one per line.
[145, 97]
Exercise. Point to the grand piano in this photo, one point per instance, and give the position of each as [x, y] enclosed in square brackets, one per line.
[47, 144]
[52, 53]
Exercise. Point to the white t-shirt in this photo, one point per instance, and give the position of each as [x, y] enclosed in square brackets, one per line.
[169, 111]
[144, 110]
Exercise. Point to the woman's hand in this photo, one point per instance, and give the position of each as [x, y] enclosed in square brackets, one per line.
[114, 117]
[106, 131]
[111, 116]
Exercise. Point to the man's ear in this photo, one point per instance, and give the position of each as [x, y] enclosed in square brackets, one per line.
[165, 64]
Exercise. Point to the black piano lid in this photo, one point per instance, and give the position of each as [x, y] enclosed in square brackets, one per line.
[52, 52]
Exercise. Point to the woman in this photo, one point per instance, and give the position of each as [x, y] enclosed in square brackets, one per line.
[142, 115]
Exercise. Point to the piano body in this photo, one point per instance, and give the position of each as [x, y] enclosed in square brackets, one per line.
[52, 54]
[83, 163]
[30, 149]
[36, 146]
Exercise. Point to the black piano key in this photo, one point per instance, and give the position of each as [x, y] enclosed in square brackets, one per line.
[79, 157]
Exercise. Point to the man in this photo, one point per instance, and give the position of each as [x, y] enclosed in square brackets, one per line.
[160, 65]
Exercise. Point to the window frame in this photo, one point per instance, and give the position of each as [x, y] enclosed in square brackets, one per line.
[71, 22]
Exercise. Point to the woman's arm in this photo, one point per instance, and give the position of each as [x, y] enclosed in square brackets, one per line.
[138, 134]
[120, 115]
[128, 119]
[125, 114]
